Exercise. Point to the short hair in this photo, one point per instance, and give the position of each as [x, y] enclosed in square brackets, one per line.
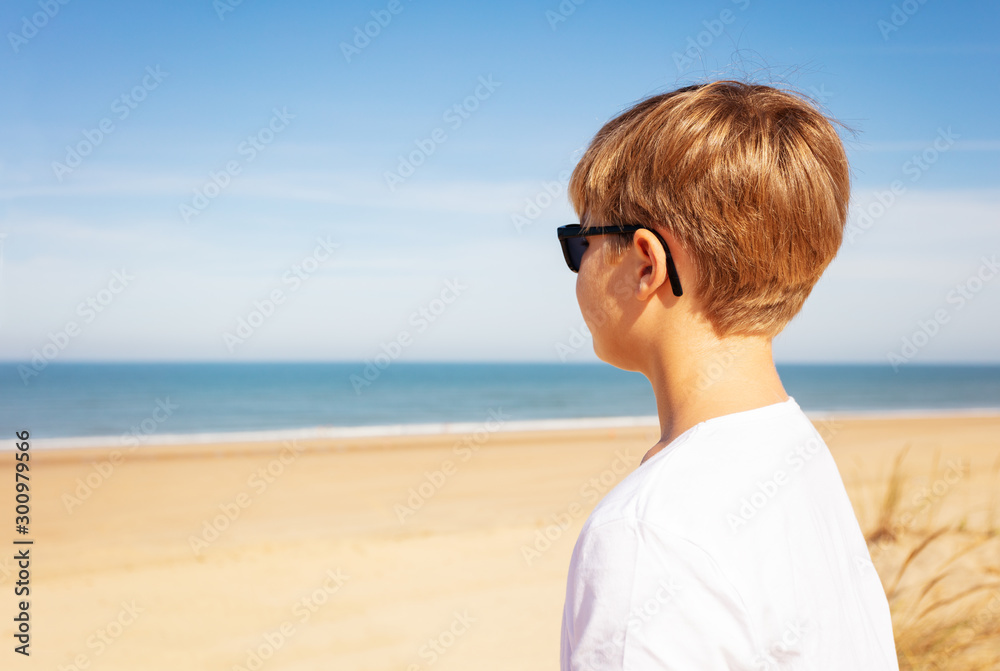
[752, 180]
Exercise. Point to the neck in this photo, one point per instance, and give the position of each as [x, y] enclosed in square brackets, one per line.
[694, 384]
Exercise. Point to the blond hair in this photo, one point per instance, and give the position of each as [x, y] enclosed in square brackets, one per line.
[753, 181]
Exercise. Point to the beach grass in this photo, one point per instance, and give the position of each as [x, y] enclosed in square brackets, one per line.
[942, 578]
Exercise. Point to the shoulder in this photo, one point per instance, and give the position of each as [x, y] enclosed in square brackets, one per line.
[701, 488]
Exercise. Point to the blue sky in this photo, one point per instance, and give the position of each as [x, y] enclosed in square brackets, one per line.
[239, 168]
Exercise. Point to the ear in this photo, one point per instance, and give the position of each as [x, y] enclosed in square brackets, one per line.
[650, 264]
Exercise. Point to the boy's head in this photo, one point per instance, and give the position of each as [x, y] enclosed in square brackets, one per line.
[752, 181]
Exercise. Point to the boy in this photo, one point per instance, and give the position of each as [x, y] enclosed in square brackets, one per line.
[707, 216]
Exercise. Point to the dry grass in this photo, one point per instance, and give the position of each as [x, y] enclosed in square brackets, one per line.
[942, 580]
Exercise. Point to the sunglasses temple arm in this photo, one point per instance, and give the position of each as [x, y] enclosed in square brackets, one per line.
[675, 280]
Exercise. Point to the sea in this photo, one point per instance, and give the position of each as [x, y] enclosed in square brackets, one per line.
[80, 404]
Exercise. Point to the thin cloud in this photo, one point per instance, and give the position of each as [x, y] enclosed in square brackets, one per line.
[920, 145]
[471, 197]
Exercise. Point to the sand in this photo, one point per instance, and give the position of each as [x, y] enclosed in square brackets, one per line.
[376, 553]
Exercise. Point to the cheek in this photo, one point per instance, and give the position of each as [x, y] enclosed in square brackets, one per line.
[585, 290]
[594, 290]
[593, 300]
[581, 280]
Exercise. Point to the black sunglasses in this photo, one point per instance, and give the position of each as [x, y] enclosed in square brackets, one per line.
[572, 239]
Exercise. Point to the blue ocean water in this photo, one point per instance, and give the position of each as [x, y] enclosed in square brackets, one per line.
[109, 399]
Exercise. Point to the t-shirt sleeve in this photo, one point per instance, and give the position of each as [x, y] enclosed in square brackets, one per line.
[639, 598]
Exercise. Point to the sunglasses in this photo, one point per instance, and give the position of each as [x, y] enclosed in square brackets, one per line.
[574, 244]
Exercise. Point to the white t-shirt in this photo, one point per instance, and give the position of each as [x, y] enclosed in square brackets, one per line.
[734, 547]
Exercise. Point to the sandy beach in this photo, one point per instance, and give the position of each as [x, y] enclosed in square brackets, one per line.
[402, 553]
